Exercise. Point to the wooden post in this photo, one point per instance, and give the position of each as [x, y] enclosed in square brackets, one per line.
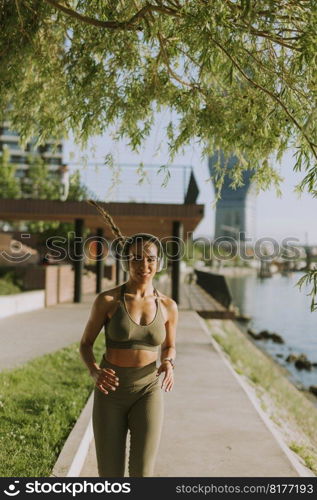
[176, 273]
[99, 261]
[79, 259]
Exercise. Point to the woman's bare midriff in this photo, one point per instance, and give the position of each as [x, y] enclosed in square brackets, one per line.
[130, 357]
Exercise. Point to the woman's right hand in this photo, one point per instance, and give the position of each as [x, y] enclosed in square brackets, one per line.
[105, 378]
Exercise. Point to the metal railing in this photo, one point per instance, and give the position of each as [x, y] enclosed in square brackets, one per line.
[145, 183]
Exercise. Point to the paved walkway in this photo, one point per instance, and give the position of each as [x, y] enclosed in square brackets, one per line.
[28, 335]
[211, 428]
[192, 297]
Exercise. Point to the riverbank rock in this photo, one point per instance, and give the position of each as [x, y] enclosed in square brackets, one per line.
[265, 335]
[301, 361]
[277, 338]
[253, 334]
[291, 358]
[313, 389]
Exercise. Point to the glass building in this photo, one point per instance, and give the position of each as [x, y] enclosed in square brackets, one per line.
[19, 156]
[235, 210]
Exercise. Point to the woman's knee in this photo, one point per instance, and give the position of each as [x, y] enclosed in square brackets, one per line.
[141, 468]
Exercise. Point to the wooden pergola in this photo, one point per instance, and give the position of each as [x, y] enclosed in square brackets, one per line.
[172, 221]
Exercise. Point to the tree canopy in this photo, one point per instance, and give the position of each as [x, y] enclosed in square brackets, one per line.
[240, 75]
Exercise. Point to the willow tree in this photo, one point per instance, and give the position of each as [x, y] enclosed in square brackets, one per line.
[239, 75]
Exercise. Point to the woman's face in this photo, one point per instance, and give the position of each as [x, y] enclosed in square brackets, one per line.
[143, 260]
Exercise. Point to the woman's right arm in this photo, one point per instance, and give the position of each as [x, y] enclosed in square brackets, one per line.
[104, 378]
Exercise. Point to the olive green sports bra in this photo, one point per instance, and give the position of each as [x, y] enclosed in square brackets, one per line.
[121, 332]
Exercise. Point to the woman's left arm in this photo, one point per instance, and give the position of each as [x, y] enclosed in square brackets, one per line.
[168, 349]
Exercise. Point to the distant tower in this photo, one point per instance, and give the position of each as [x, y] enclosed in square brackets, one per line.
[235, 211]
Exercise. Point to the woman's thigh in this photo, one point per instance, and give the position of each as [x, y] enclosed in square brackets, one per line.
[110, 426]
[145, 421]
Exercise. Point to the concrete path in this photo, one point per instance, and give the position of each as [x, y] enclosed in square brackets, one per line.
[211, 428]
[28, 335]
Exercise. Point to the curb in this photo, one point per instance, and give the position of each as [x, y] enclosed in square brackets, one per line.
[300, 468]
[74, 452]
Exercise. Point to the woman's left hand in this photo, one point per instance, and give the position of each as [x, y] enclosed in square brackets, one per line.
[168, 379]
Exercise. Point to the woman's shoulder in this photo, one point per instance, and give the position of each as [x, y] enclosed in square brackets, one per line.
[110, 296]
[169, 304]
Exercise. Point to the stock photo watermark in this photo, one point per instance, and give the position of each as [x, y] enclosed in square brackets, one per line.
[74, 248]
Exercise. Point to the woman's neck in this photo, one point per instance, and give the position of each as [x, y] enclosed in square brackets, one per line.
[140, 290]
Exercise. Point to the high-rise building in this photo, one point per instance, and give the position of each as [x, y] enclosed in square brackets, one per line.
[19, 156]
[235, 210]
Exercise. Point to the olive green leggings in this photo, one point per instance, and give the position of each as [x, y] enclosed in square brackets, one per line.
[137, 404]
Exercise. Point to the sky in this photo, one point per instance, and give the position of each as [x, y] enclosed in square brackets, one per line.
[288, 216]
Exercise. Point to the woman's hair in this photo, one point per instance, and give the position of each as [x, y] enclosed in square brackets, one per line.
[141, 236]
[109, 220]
[125, 241]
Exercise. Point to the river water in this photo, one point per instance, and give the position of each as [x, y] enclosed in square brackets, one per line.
[276, 304]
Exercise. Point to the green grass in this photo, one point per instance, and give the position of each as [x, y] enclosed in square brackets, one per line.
[291, 409]
[10, 282]
[39, 405]
[8, 288]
